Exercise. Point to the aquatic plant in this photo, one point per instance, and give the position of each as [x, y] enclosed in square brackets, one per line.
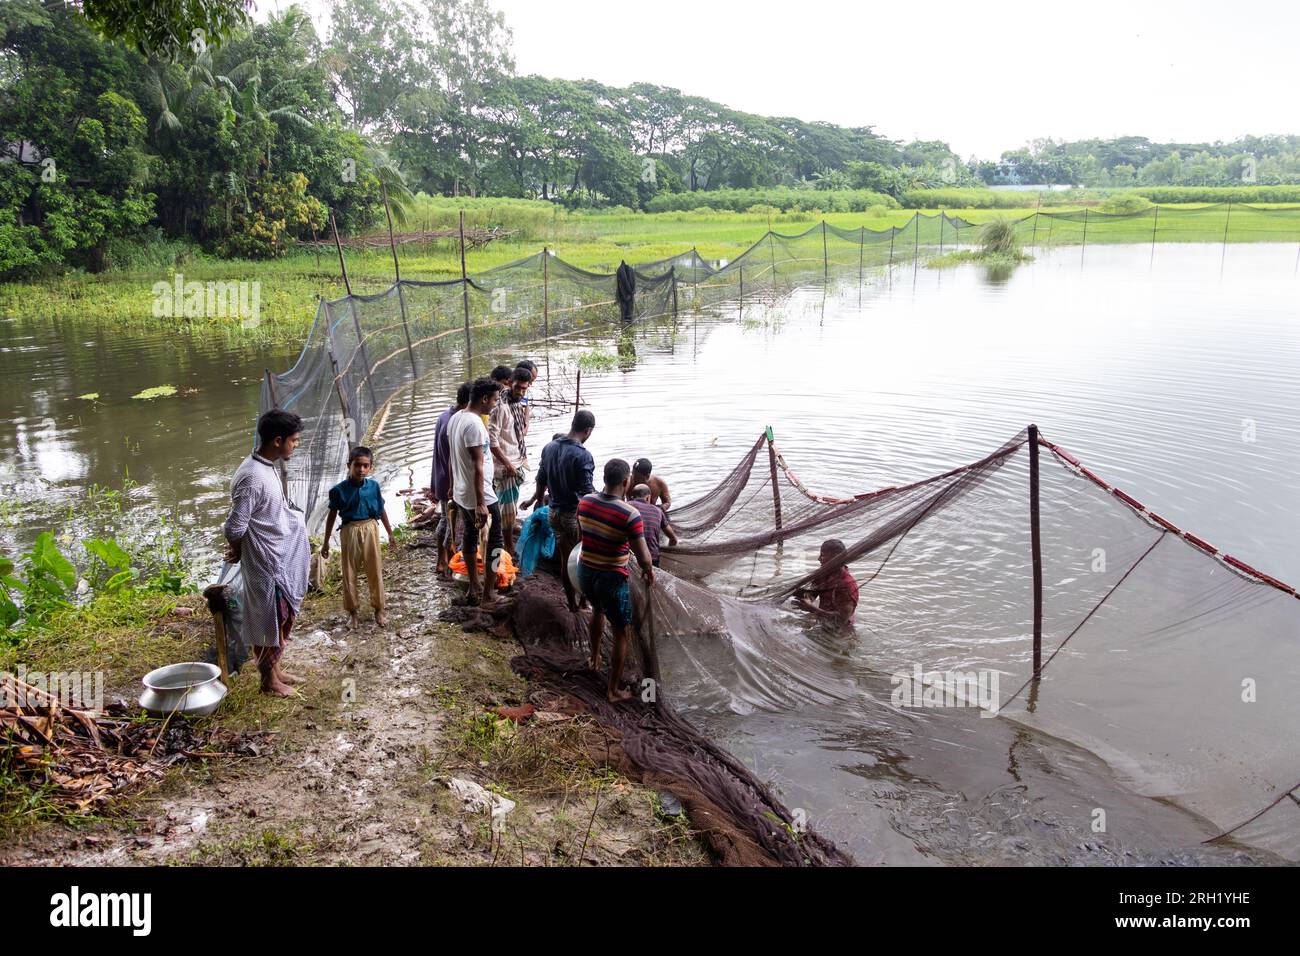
[158, 391]
[998, 237]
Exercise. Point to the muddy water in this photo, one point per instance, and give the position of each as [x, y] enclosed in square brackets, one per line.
[1174, 375]
[1177, 379]
[73, 427]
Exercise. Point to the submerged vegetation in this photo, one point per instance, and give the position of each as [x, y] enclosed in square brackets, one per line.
[1000, 250]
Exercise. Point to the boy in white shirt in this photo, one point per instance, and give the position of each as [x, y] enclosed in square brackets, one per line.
[471, 471]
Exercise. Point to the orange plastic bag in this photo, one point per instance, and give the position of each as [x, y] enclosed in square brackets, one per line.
[506, 571]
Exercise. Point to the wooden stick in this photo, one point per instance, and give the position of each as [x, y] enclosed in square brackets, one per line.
[1036, 550]
[397, 274]
[464, 282]
[216, 597]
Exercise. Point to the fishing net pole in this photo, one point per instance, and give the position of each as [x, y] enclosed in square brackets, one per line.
[1168, 658]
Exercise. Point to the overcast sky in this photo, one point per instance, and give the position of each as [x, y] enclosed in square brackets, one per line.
[984, 76]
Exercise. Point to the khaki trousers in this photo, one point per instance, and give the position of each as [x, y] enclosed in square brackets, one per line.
[359, 549]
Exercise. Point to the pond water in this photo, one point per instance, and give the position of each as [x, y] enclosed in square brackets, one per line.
[81, 463]
[1172, 373]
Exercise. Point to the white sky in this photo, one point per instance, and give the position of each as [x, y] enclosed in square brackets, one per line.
[986, 76]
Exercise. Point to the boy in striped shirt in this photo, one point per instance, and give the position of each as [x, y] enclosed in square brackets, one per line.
[611, 529]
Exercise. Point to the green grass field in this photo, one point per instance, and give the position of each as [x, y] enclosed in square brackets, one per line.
[289, 288]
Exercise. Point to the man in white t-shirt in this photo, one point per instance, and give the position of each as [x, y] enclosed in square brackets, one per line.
[471, 474]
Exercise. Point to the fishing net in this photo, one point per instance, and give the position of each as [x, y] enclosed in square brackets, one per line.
[364, 349]
[1170, 660]
[1221, 222]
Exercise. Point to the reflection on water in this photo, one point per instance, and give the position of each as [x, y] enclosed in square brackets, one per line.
[1173, 375]
[175, 453]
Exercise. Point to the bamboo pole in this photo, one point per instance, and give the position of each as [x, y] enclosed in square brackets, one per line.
[826, 261]
[1033, 240]
[862, 248]
[397, 273]
[1036, 550]
[1227, 220]
[338, 386]
[776, 489]
[464, 285]
[1155, 221]
[942, 217]
[771, 245]
[916, 240]
[315, 244]
[352, 306]
[338, 246]
[695, 278]
[546, 293]
[1084, 249]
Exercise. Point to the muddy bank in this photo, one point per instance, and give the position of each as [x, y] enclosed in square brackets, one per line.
[355, 770]
[738, 817]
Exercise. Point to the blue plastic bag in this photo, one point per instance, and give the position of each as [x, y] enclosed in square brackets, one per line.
[536, 541]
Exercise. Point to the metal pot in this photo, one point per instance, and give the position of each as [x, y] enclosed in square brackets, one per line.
[574, 557]
[192, 688]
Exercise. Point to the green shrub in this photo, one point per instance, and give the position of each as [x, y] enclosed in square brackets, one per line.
[1215, 194]
[529, 219]
[973, 199]
[784, 198]
[1123, 204]
[998, 237]
[150, 252]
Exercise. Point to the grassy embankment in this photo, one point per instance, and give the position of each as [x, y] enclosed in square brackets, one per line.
[347, 779]
[598, 241]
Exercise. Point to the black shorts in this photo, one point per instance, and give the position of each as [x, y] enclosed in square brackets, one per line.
[469, 537]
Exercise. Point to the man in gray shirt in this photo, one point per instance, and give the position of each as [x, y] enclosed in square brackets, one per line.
[268, 539]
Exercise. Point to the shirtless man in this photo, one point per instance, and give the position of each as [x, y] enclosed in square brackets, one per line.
[658, 487]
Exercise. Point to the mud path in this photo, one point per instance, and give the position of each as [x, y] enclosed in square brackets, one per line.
[356, 770]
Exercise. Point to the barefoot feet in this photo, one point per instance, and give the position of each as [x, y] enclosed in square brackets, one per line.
[274, 687]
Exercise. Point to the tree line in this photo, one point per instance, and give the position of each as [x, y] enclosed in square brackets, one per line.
[1128, 161]
[132, 124]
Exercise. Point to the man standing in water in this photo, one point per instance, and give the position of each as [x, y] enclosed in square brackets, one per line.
[835, 590]
[268, 539]
[611, 528]
[467, 438]
[658, 487]
[566, 470]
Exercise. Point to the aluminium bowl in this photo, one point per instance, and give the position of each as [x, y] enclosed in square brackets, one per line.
[193, 689]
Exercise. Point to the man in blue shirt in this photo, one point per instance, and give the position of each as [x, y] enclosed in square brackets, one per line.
[565, 470]
[358, 501]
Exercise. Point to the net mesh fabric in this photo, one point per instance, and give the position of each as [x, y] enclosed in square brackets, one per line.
[1146, 649]
[1171, 661]
[363, 349]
